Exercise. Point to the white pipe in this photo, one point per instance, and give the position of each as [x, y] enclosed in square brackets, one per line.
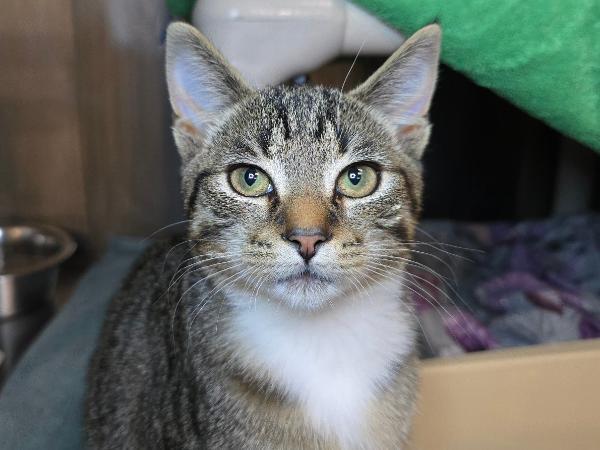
[270, 41]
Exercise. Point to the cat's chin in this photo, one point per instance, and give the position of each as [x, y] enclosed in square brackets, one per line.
[305, 292]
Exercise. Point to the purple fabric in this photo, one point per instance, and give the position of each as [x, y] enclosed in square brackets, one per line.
[516, 284]
[589, 327]
[468, 332]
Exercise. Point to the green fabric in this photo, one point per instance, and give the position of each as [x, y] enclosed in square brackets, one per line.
[543, 55]
[181, 8]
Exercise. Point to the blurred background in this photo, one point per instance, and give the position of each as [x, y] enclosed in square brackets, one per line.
[511, 202]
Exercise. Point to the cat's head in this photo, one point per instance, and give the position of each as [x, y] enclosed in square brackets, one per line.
[300, 195]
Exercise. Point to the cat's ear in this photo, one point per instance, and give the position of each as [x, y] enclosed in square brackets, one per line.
[202, 85]
[402, 88]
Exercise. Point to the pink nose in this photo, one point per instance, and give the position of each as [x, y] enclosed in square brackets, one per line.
[307, 241]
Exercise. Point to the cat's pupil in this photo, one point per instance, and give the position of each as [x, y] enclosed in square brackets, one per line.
[355, 174]
[250, 176]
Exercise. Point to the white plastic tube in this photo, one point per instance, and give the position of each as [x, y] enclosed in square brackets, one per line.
[270, 41]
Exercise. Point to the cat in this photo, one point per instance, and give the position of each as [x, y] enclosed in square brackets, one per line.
[283, 321]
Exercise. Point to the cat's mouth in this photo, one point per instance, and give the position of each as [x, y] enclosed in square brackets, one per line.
[305, 276]
[305, 288]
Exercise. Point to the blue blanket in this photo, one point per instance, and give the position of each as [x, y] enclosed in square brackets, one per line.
[41, 405]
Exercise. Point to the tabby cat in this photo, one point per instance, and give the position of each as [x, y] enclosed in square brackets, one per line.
[281, 321]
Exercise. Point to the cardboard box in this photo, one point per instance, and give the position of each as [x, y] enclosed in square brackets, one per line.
[530, 398]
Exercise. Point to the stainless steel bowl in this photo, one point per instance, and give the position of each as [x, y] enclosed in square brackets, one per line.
[29, 260]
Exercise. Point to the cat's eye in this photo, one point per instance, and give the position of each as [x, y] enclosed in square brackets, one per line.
[250, 181]
[358, 180]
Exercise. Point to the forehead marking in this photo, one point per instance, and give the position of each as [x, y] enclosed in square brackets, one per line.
[282, 115]
[264, 140]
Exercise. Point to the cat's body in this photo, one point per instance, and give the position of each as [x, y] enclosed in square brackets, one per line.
[157, 385]
[287, 324]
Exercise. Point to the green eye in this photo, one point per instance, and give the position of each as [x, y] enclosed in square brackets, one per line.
[357, 181]
[250, 181]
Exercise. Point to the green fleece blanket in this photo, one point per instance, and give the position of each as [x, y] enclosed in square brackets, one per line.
[543, 55]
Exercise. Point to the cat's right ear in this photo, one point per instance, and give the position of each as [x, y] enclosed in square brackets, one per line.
[202, 85]
[402, 88]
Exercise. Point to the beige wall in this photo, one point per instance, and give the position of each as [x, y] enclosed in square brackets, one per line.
[84, 119]
[40, 148]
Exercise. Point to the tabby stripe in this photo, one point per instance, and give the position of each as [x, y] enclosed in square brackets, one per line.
[343, 139]
[283, 117]
[194, 195]
[264, 140]
[399, 230]
[320, 127]
[410, 190]
[331, 111]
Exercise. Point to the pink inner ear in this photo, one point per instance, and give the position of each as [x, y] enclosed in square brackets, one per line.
[409, 129]
[421, 103]
[187, 127]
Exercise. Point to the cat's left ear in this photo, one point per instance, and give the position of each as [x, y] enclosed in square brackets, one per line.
[202, 85]
[402, 88]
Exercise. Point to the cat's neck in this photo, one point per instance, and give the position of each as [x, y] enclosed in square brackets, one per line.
[331, 362]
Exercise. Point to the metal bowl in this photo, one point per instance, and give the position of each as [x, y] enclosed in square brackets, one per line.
[29, 260]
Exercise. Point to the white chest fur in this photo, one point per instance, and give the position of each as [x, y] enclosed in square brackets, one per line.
[331, 362]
